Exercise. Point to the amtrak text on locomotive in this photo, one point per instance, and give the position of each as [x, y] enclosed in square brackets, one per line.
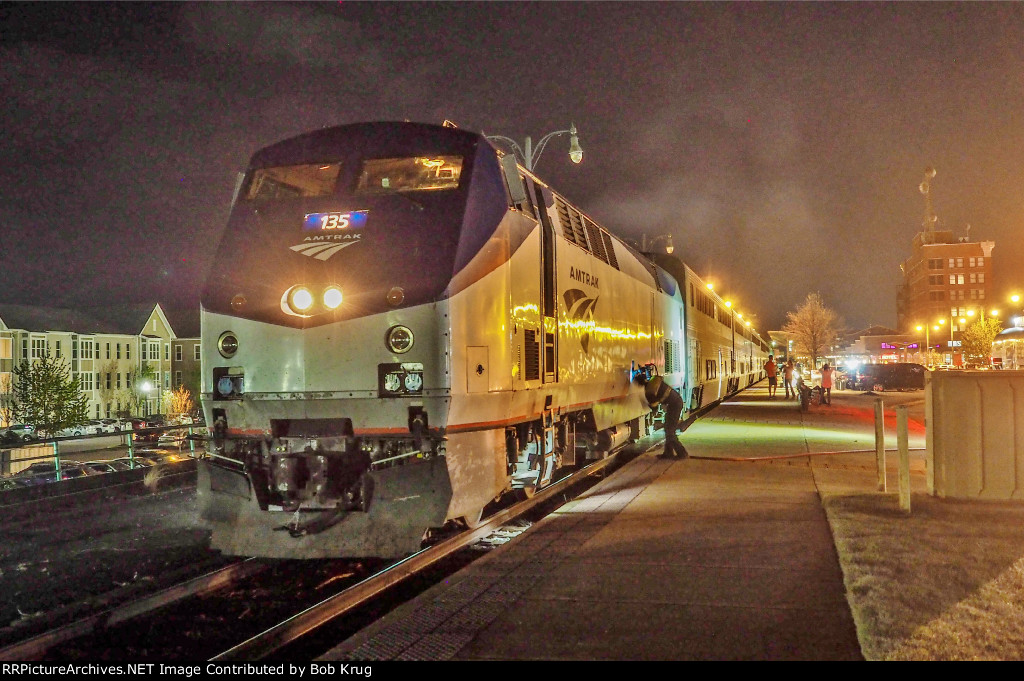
[576, 274]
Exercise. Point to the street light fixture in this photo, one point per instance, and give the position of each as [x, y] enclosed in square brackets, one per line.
[646, 246]
[529, 154]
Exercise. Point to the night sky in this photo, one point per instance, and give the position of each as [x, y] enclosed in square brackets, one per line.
[781, 144]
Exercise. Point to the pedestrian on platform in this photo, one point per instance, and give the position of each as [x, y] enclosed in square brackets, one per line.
[787, 376]
[827, 373]
[772, 370]
[659, 393]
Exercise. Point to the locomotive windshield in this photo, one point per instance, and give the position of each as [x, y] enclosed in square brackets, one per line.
[287, 182]
[414, 173]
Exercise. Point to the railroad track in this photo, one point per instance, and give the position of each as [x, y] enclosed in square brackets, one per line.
[256, 608]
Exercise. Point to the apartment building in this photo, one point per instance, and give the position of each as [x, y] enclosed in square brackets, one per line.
[106, 349]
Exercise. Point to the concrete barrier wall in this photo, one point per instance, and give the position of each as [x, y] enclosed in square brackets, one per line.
[975, 434]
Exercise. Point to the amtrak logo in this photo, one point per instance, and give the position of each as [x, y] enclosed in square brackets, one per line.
[581, 312]
[321, 249]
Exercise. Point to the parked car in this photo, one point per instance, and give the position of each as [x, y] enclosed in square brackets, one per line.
[78, 470]
[21, 431]
[896, 376]
[99, 427]
[73, 431]
[140, 461]
[112, 466]
[36, 468]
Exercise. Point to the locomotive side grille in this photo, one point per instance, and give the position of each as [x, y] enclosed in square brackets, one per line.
[531, 363]
[572, 223]
[609, 249]
[594, 236]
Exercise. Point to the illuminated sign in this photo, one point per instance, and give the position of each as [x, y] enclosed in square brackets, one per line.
[352, 220]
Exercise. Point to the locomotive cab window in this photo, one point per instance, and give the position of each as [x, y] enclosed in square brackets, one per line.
[287, 182]
[411, 174]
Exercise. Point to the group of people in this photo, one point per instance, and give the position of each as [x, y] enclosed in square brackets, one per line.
[660, 394]
[792, 381]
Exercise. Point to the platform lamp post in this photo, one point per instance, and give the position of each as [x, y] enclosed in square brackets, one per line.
[530, 154]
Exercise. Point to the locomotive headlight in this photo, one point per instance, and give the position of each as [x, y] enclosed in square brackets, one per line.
[399, 339]
[300, 299]
[227, 344]
[332, 297]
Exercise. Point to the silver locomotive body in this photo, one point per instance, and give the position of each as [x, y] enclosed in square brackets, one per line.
[401, 326]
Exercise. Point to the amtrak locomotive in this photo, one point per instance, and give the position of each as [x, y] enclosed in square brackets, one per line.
[402, 324]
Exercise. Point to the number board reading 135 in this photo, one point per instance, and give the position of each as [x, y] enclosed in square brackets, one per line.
[335, 221]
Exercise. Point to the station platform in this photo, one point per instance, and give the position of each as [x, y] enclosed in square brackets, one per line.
[726, 555]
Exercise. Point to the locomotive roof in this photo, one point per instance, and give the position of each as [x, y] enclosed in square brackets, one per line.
[402, 136]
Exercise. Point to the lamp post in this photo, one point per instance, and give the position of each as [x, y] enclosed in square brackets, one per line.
[927, 339]
[646, 246]
[529, 154]
[146, 388]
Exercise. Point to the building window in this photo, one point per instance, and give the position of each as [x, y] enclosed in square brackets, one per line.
[38, 348]
[952, 263]
[195, 352]
[974, 294]
[118, 380]
[971, 261]
[959, 262]
[981, 262]
[167, 380]
[952, 279]
[177, 377]
[127, 351]
[108, 350]
[167, 352]
[86, 349]
[128, 380]
[177, 353]
[86, 379]
[108, 381]
[56, 348]
[935, 263]
[981, 277]
[119, 351]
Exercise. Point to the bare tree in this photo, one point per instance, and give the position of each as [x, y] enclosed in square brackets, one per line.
[813, 327]
[180, 403]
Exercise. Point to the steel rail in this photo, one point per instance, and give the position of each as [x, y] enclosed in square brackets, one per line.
[280, 635]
